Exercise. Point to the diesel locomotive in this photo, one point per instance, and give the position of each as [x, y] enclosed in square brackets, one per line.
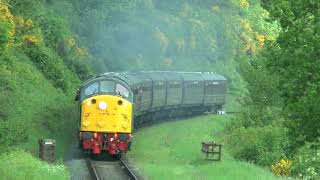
[112, 105]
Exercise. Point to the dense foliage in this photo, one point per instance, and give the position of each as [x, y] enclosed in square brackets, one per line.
[161, 35]
[261, 145]
[39, 72]
[201, 35]
[283, 85]
[268, 49]
[295, 60]
[48, 47]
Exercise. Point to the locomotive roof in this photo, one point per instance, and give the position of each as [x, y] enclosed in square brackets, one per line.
[191, 76]
[170, 76]
[213, 76]
[156, 76]
[132, 78]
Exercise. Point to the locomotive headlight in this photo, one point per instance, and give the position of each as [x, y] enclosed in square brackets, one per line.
[102, 105]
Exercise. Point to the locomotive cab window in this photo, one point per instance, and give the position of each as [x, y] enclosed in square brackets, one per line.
[92, 89]
[121, 90]
[107, 86]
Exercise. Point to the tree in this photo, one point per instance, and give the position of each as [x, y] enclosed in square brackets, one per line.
[294, 58]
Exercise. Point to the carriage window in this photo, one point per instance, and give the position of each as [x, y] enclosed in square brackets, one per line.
[107, 86]
[122, 90]
[91, 89]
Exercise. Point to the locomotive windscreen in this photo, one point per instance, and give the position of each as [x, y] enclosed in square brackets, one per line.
[106, 87]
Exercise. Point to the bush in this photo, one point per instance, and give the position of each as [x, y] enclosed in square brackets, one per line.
[31, 107]
[22, 165]
[11, 129]
[36, 82]
[6, 27]
[52, 67]
[4, 35]
[60, 118]
[261, 145]
[282, 168]
[306, 162]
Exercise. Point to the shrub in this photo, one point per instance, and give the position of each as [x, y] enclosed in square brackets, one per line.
[306, 162]
[31, 40]
[282, 168]
[261, 145]
[52, 67]
[11, 129]
[61, 118]
[6, 26]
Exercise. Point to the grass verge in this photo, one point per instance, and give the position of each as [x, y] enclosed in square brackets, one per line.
[171, 150]
[22, 165]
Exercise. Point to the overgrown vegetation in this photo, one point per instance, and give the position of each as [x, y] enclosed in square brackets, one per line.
[267, 49]
[49, 47]
[37, 77]
[39, 72]
[200, 35]
[282, 84]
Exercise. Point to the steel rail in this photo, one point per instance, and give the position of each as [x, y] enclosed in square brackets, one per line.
[128, 170]
[92, 170]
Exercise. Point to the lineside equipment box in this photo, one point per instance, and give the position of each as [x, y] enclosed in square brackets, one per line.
[47, 149]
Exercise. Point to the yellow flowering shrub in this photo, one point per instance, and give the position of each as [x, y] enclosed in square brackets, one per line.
[241, 3]
[253, 41]
[26, 32]
[282, 168]
[23, 25]
[261, 39]
[32, 40]
[7, 26]
[5, 13]
[20, 27]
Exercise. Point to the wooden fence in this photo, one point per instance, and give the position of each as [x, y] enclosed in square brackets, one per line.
[212, 151]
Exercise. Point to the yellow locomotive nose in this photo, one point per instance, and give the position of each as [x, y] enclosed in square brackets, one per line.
[106, 113]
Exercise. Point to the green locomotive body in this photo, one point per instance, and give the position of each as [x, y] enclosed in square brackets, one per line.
[161, 94]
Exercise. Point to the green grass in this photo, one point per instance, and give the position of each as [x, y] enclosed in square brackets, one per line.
[63, 140]
[20, 165]
[171, 150]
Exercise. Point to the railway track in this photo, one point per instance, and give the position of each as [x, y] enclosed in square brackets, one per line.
[103, 170]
